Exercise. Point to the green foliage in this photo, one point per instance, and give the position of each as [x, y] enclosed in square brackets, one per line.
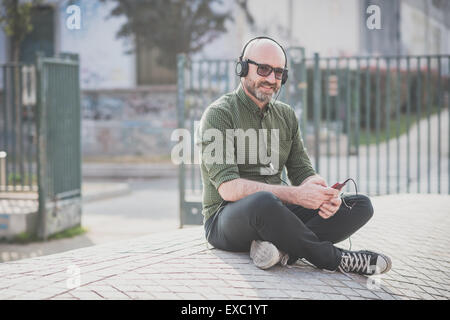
[173, 26]
[69, 233]
[26, 237]
[16, 178]
[15, 18]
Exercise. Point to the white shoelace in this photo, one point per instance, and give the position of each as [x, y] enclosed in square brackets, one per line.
[355, 262]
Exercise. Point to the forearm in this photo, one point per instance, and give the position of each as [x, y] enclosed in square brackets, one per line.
[237, 189]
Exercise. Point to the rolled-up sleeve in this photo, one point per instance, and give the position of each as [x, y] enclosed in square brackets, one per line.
[215, 140]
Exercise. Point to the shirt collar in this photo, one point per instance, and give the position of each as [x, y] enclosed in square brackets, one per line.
[249, 103]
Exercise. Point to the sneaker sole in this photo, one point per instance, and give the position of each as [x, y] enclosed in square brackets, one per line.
[264, 254]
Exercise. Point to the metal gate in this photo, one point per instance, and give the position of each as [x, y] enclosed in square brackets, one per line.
[59, 143]
[40, 144]
[382, 120]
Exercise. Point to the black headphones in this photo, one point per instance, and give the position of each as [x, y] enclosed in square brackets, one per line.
[242, 66]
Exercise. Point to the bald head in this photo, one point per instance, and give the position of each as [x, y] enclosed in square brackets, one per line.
[265, 51]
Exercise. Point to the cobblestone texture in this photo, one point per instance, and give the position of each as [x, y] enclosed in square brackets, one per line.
[411, 229]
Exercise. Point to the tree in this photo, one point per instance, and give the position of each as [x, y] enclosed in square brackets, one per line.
[173, 26]
[15, 18]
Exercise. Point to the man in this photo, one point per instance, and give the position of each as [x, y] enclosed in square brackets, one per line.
[245, 205]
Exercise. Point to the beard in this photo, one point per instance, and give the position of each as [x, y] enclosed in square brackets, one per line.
[253, 88]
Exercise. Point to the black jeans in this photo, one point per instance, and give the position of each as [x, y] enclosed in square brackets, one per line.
[298, 231]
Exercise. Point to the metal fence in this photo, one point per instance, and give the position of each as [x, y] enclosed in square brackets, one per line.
[40, 143]
[383, 121]
[387, 117]
[18, 129]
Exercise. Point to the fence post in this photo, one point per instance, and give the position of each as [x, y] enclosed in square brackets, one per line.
[181, 60]
[317, 109]
[41, 148]
[3, 155]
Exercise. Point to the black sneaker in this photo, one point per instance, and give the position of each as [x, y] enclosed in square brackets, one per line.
[366, 263]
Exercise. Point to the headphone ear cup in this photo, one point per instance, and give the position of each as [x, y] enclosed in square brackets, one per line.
[285, 77]
[242, 69]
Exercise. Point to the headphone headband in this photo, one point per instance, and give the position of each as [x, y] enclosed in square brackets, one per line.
[268, 38]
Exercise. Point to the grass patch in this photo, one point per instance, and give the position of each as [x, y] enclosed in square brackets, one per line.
[385, 135]
[69, 233]
[26, 237]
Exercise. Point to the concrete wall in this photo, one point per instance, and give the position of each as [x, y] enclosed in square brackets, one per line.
[104, 63]
[128, 123]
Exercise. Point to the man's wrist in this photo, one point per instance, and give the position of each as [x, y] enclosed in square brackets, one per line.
[287, 194]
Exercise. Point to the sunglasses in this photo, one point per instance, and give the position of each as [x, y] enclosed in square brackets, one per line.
[264, 70]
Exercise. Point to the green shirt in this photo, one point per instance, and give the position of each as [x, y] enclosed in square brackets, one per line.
[236, 110]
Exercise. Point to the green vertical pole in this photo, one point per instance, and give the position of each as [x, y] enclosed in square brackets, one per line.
[30, 143]
[399, 88]
[439, 96]
[338, 120]
[388, 117]
[377, 102]
[428, 90]
[357, 102]
[327, 106]
[78, 151]
[42, 166]
[192, 166]
[367, 94]
[317, 107]
[5, 131]
[408, 123]
[14, 128]
[418, 114]
[348, 117]
[448, 108]
[181, 60]
[21, 157]
[304, 90]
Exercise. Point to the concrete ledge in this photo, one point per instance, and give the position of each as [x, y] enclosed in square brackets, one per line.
[17, 215]
[99, 191]
[125, 170]
[19, 210]
[411, 229]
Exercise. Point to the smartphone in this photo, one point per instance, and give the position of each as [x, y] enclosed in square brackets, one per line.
[338, 185]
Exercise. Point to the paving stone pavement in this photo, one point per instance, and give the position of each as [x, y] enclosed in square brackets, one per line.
[411, 229]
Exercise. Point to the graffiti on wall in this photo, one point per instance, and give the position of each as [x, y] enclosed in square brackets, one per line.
[129, 122]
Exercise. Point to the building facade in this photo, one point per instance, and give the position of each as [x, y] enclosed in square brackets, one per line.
[127, 97]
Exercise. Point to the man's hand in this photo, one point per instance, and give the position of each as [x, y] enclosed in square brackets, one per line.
[329, 208]
[313, 193]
